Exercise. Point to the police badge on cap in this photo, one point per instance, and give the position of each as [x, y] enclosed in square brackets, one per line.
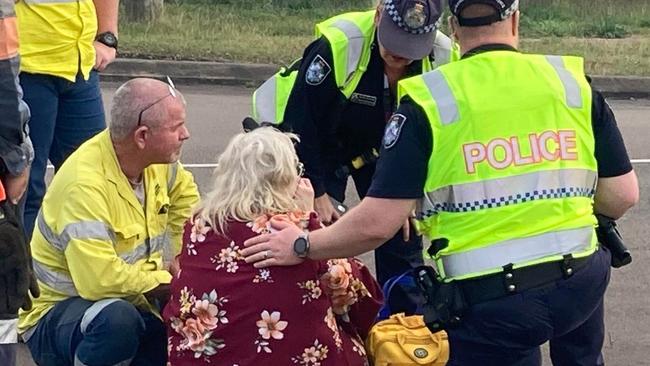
[415, 16]
[407, 28]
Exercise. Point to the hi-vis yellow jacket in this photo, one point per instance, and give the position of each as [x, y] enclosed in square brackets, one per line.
[93, 238]
[56, 37]
[512, 171]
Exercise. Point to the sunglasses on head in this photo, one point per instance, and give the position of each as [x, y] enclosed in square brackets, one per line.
[172, 93]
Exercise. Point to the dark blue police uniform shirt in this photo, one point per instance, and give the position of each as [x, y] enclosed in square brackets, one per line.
[332, 129]
[402, 169]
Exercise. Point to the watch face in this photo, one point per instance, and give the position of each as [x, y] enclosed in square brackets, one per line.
[110, 38]
[300, 246]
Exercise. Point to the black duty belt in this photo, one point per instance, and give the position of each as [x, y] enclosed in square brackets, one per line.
[511, 281]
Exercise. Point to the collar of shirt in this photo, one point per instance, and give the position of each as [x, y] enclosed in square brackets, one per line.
[487, 48]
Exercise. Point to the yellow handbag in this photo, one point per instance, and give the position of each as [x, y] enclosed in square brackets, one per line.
[405, 340]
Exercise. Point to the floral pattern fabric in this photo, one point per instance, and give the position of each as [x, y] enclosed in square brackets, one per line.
[223, 311]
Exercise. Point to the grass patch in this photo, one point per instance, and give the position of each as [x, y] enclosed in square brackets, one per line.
[614, 36]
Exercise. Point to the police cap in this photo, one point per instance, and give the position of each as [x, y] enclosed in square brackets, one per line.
[407, 28]
[504, 8]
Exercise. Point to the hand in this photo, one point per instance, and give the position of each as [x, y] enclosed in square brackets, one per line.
[305, 195]
[175, 267]
[275, 249]
[15, 187]
[16, 277]
[406, 228]
[104, 55]
[159, 295]
[325, 209]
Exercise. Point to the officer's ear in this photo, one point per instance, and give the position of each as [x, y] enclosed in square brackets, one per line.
[453, 25]
[515, 24]
[380, 8]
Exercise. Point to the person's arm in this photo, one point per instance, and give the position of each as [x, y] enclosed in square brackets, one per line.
[617, 189]
[15, 148]
[379, 215]
[314, 99]
[96, 269]
[183, 196]
[107, 13]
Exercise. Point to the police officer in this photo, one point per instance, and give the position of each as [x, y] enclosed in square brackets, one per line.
[344, 93]
[509, 156]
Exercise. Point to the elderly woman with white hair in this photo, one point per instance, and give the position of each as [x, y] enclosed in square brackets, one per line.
[223, 311]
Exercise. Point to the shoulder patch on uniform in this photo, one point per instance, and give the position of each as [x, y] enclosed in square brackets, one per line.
[317, 71]
[393, 129]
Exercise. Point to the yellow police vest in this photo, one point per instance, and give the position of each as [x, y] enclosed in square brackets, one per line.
[350, 36]
[512, 172]
[56, 37]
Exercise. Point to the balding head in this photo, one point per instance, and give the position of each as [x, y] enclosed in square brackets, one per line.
[132, 98]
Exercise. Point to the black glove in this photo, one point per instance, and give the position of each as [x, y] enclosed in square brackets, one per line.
[16, 276]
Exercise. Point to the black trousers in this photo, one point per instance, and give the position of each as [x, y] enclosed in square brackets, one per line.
[509, 331]
[395, 256]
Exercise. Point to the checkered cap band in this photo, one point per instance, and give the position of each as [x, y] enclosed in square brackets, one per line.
[391, 9]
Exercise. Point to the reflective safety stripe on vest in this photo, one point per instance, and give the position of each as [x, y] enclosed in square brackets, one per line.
[270, 99]
[60, 281]
[512, 172]
[505, 191]
[350, 37]
[521, 250]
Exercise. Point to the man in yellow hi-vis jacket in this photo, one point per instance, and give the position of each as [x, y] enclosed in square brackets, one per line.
[113, 213]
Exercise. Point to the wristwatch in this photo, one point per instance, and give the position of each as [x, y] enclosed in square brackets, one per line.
[107, 38]
[301, 246]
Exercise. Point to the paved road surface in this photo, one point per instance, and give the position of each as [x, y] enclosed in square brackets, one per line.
[215, 113]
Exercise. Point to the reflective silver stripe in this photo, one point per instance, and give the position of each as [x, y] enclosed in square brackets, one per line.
[571, 87]
[8, 331]
[509, 190]
[518, 251]
[172, 176]
[47, 233]
[156, 244]
[58, 281]
[265, 101]
[91, 313]
[7, 9]
[355, 43]
[77, 230]
[441, 93]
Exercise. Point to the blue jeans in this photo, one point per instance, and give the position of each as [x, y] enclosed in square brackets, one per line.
[103, 333]
[509, 331]
[64, 115]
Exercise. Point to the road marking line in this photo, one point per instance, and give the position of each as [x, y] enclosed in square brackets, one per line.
[214, 165]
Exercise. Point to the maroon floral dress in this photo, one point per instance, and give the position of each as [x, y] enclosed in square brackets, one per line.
[225, 312]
